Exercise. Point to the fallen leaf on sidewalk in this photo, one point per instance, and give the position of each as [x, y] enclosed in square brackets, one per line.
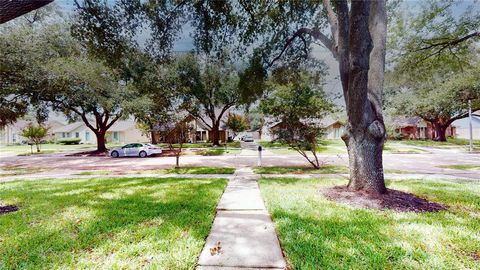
[217, 249]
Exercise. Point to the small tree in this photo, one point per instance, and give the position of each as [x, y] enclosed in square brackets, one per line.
[236, 123]
[298, 102]
[302, 136]
[35, 134]
[178, 135]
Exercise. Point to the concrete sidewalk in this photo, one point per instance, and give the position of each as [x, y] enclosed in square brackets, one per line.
[243, 235]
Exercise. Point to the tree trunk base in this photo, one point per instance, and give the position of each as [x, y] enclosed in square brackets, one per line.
[365, 159]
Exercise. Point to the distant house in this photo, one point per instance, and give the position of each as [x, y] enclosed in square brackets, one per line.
[463, 127]
[121, 132]
[11, 134]
[333, 128]
[417, 128]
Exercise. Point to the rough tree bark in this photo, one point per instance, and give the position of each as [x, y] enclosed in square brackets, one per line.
[11, 9]
[101, 146]
[103, 121]
[440, 131]
[215, 135]
[359, 40]
[154, 137]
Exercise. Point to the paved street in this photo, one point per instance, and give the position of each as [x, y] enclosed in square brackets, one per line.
[424, 163]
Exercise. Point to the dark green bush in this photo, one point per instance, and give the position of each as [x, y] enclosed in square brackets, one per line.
[69, 141]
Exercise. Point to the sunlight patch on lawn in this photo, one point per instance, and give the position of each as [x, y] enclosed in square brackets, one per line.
[124, 223]
[317, 233]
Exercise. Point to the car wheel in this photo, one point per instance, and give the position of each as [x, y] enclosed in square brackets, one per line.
[114, 154]
[143, 154]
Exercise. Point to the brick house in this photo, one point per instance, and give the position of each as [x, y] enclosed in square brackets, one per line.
[417, 128]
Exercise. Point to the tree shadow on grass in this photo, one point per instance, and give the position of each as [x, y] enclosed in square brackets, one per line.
[320, 234]
[161, 214]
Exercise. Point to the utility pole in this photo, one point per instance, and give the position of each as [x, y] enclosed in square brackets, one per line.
[470, 123]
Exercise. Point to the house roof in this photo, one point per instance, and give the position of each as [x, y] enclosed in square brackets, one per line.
[68, 127]
[404, 121]
[21, 124]
[123, 125]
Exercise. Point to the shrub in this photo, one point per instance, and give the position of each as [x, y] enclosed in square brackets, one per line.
[69, 141]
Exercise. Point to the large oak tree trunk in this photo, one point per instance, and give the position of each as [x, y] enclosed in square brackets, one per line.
[101, 147]
[154, 137]
[215, 135]
[365, 131]
[440, 132]
[365, 160]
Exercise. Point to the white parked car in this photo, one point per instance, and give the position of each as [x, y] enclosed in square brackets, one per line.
[247, 138]
[135, 150]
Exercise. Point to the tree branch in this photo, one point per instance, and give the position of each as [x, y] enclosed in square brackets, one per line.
[10, 9]
[449, 42]
[314, 32]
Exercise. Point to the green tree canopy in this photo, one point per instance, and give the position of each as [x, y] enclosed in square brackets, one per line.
[297, 102]
[35, 134]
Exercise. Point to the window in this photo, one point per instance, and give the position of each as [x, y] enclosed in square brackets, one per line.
[337, 133]
[87, 136]
[14, 137]
[115, 136]
[77, 134]
[64, 134]
[68, 134]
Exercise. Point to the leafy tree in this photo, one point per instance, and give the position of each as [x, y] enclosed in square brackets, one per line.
[435, 29]
[257, 120]
[80, 88]
[22, 45]
[179, 135]
[297, 101]
[433, 74]
[284, 32]
[208, 91]
[236, 123]
[35, 134]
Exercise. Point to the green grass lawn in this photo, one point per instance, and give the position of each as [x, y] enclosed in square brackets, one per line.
[319, 234]
[300, 170]
[98, 172]
[200, 145]
[107, 223]
[16, 170]
[466, 167]
[324, 146]
[451, 142]
[397, 148]
[219, 151]
[24, 149]
[194, 170]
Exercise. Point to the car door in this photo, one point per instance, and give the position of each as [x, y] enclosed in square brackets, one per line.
[135, 149]
[126, 149]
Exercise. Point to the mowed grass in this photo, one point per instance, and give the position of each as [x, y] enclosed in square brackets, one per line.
[324, 146]
[449, 143]
[196, 170]
[393, 148]
[18, 170]
[24, 149]
[319, 234]
[465, 167]
[107, 223]
[328, 169]
[180, 170]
